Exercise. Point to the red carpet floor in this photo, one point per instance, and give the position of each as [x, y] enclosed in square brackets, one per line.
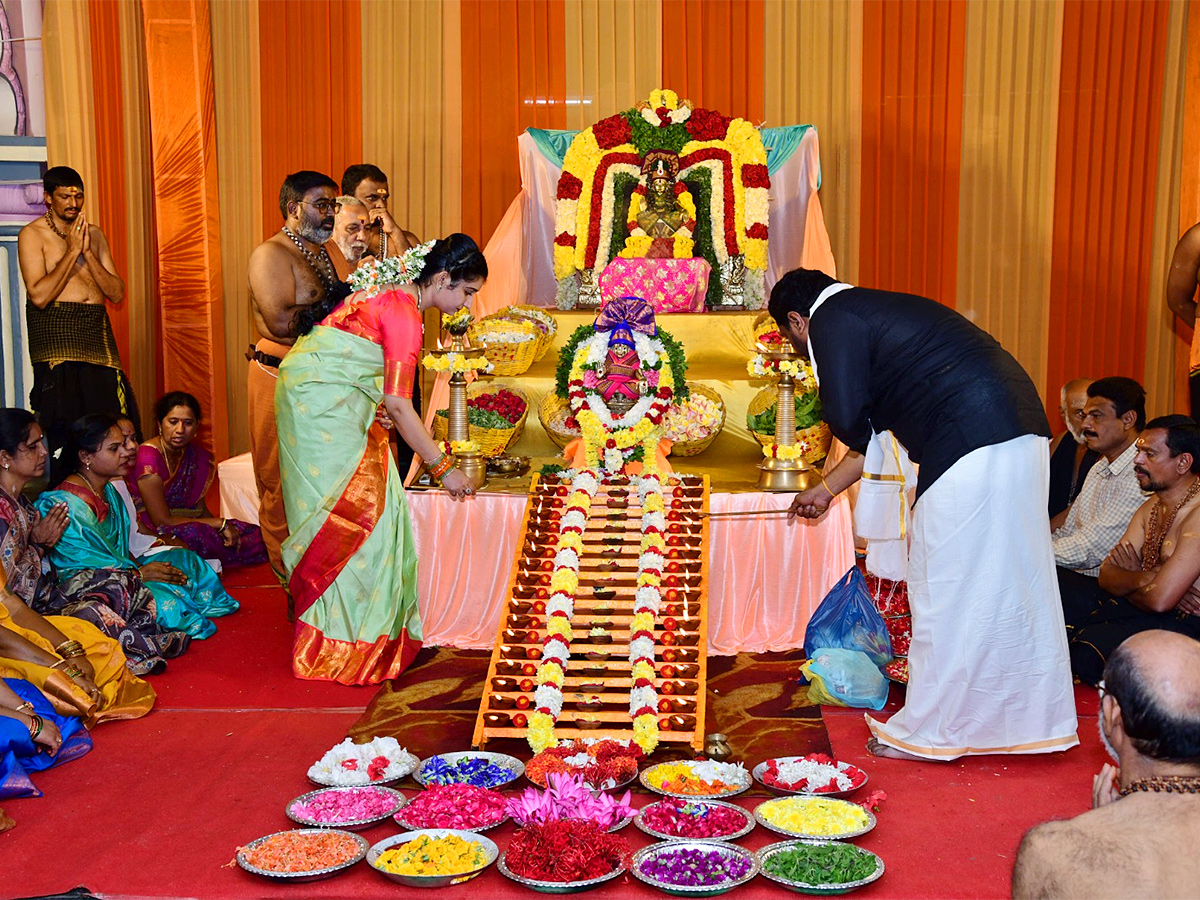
[157, 809]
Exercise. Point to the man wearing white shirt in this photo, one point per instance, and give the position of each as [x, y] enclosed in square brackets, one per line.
[1114, 416]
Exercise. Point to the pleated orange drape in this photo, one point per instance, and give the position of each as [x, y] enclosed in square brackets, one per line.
[1110, 104]
[712, 54]
[187, 210]
[109, 187]
[313, 96]
[912, 134]
[513, 78]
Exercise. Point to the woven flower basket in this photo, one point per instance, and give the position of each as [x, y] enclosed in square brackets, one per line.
[508, 357]
[818, 436]
[692, 448]
[491, 441]
[552, 411]
[548, 329]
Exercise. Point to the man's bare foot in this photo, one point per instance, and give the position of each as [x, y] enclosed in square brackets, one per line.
[878, 748]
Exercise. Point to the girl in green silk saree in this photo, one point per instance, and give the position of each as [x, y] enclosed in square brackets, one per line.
[350, 558]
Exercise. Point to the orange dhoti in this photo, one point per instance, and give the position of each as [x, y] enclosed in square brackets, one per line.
[264, 449]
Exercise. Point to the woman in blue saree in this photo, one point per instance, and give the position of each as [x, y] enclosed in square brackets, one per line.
[33, 737]
[167, 601]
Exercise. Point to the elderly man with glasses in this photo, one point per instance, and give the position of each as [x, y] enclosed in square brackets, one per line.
[289, 271]
[1139, 838]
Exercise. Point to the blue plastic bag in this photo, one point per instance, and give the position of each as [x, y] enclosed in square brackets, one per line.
[844, 678]
[847, 619]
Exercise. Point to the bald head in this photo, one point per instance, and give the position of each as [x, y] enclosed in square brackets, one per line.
[1072, 399]
[1155, 677]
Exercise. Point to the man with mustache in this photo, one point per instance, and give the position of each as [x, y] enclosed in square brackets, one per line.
[1070, 457]
[1151, 579]
[288, 272]
[349, 243]
[1114, 414]
[1139, 838]
[69, 273]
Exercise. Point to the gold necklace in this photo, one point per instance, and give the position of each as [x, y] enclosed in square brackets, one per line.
[1156, 532]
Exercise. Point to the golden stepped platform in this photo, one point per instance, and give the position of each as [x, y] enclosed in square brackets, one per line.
[597, 675]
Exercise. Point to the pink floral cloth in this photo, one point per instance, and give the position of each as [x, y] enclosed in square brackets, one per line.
[669, 285]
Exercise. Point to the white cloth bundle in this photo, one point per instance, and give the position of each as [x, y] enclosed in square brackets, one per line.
[882, 514]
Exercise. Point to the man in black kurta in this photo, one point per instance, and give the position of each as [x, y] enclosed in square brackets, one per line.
[988, 665]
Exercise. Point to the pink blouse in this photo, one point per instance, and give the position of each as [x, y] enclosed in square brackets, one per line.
[392, 320]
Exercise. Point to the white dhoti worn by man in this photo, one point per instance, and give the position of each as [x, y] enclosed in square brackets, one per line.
[988, 665]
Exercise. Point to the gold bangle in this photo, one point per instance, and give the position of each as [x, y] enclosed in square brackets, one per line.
[66, 648]
[832, 493]
[57, 664]
[39, 723]
[25, 708]
[72, 672]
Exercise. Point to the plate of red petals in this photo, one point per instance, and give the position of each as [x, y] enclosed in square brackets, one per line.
[813, 774]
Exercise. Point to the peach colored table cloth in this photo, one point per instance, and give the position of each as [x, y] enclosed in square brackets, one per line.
[765, 576]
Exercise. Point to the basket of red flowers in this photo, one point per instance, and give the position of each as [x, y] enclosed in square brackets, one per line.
[496, 414]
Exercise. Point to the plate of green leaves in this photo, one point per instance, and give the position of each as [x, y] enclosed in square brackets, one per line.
[819, 867]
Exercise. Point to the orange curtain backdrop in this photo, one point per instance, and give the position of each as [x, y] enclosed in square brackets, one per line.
[912, 132]
[312, 92]
[712, 54]
[513, 78]
[1189, 192]
[187, 211]
[1110, 103]
[109, 184]
[1006, 195]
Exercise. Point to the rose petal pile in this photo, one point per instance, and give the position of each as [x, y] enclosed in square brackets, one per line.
[336, 807]
[347, 764]
[692, 819]
[692, 868]
[815, 774]
[460, 806]
[300, 851]
[692, 420]
[568, 797]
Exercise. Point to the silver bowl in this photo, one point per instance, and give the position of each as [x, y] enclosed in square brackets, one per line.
[407, 764]
[761, 819]
[746, 828]
[478, 829]
[683, 890]
[353, 824]
[500, 759]
[743, 785]
[491, 851]
[759, 770]
[558, 887]
[845, 887]
[312, 875]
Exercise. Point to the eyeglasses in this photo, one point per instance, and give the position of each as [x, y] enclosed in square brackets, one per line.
[323, 206]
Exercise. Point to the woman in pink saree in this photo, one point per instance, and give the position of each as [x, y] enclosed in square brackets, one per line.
[170, 480]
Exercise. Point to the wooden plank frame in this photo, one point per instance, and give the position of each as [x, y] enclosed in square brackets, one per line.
[613, 520]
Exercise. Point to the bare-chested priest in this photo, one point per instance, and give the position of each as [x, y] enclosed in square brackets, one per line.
[69, 273]
[288, 271]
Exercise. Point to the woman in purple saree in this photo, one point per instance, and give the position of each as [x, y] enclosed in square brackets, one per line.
[170, 480]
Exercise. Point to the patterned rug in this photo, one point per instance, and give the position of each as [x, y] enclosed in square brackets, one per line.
[753, 699]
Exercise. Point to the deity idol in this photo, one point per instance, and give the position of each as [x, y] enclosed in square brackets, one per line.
[661, 215]
[623, 382]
